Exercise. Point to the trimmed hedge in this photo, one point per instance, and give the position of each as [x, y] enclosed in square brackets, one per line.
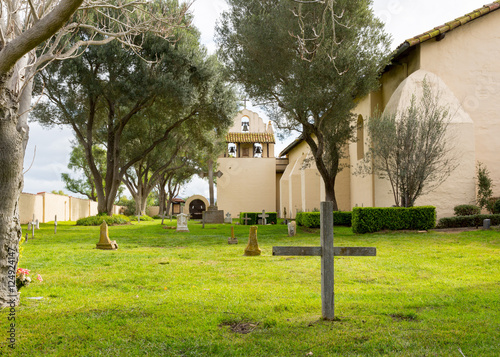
[272, 219]
[373, 219]
[466, 210]
[468, 221]
[312, 219]
[97, 220]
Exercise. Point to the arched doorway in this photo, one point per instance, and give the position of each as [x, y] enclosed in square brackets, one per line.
[196, 209]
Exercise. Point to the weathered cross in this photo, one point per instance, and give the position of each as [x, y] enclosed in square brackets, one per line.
[246, 219]
[210, 174]
[263, 216]
[327, 251]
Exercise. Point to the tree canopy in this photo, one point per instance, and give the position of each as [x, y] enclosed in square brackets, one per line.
[262, 44]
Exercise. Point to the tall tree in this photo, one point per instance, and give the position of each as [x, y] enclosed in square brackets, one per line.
[109, 95]
[25, 26]
[312, 86]
[411, 148]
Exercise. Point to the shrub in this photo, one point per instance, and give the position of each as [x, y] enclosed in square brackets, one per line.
[97, 220]
[468, 221]
[466, 210]
[496, 207]
[312, 219]
[273, 217]
[373, 219]
[484, 187]
[143, 218]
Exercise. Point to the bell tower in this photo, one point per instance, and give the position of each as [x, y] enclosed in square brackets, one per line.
[248, 182]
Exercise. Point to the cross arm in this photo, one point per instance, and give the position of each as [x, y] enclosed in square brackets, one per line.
[317, 251]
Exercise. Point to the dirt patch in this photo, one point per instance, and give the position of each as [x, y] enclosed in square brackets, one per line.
[404, 317]
[241, 327]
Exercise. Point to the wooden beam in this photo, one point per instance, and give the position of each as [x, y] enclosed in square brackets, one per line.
[307, 251]
[317, 251]
[327, 277]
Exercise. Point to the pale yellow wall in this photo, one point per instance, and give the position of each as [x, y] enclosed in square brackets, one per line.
[278, 193]
[30, 204]
[46, 205]
[302, 187]
[153, 211]
[247, 184]
[467, 61]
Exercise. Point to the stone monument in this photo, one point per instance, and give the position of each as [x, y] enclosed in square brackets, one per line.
[252, 248]
[104, 242]
[182, 225]
[228, 218]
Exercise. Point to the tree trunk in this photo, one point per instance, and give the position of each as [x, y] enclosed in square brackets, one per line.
[330, 194]
[11, 184]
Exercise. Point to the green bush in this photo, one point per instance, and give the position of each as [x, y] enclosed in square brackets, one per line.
[468, 221]
[496, 207]
[97, 220]
[143, 218]
[373, 219]
[312, 219]
[272, 219]
[466, 210]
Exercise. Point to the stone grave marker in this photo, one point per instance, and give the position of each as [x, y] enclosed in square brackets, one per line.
[292, 229]
[263, 217]
[486, 224]
[232, 239]
[326, 251]
[228, 218]
[104, 242]
[252, 248]
[55, 224]
[37, 224]
[182, 223]
[246, 219]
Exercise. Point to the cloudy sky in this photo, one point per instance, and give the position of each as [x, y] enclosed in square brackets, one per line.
[403, 18]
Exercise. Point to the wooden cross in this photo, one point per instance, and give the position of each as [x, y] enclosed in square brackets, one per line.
[263, 216]
[246, 219]
[327, 251]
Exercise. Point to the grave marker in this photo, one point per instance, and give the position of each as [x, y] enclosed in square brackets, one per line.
[326, 251]
[232, 239]
[104, 242]
[292, 229]
[252, 248]
[263, 217]
[55, 224]
[228, 218]
[246, 219]
[182, 223]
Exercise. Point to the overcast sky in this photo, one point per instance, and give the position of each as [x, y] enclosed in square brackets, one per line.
[403, 18]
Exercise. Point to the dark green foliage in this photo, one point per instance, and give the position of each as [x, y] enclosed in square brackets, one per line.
[466, 210]
[312, 219]
[484, 187]
[496, 207]
[468, 221]
[97, 220]
[373, 219]
[272, 219]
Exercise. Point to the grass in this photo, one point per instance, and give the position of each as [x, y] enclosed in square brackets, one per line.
[164, 293]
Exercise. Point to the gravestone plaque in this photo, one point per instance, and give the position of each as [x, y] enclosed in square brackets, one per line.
[228, 218]
[182, 223]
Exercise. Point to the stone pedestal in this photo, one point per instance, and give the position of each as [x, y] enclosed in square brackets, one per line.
[182, 225]
[104, 242]
[252, 248]
[214, 215]
[232, 239]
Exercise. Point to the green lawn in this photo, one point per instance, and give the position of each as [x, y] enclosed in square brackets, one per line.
[164, 293]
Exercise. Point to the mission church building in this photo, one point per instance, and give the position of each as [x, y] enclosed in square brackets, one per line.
[459, 60]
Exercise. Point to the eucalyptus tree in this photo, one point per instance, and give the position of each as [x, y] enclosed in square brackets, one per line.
[309, 80]
[110, 93]
[33, 33]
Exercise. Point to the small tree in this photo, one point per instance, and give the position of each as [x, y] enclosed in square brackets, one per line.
[484, 187]
[411, 149]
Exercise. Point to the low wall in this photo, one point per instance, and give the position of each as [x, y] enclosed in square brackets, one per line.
[45, 206]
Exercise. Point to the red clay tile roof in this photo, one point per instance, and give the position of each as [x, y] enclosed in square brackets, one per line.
[451, 25]
[250, 138]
